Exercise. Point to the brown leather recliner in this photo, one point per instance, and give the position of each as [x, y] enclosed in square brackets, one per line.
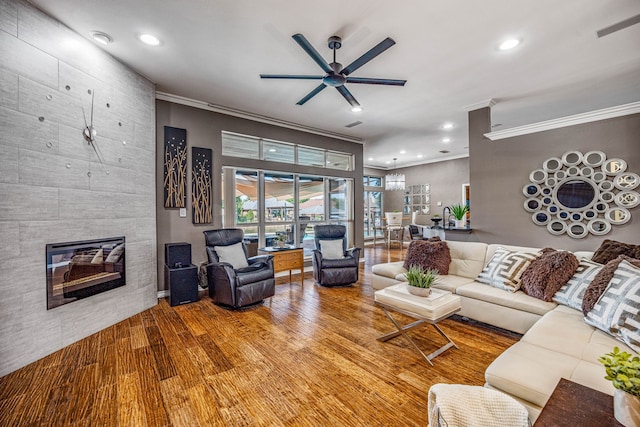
[237, 288]
[338, 271]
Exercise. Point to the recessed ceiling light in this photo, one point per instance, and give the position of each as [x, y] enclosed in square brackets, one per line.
[419, 156]
[356, 109]
[101, 37]
[447, 126]
[403, 151]
[509, 44]
[445, 140]
[149, 39]
[370, 159]
[387, 162]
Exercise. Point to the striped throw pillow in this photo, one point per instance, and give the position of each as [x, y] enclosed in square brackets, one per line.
[571, 294]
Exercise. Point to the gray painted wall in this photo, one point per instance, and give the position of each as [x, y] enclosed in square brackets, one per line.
[500, 169]
[204, 129]
[444, 178]
[47, 195]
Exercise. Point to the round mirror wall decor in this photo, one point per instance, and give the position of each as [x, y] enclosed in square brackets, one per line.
[577, 194]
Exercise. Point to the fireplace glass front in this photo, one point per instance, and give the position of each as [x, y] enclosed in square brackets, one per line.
[77, 270]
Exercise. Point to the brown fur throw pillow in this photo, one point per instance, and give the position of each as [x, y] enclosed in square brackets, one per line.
[548, 273]
[599, 283]
[610, 250]
[432, 254]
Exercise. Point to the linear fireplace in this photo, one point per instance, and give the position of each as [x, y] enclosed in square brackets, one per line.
[80, 269]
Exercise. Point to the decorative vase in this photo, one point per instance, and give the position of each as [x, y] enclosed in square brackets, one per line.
[281, 244]
[461, 223]
[626, 408]
[421, 292]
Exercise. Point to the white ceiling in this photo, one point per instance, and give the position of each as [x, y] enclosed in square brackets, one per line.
[214, 51]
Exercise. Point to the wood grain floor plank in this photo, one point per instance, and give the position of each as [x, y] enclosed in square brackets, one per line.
[308, 356]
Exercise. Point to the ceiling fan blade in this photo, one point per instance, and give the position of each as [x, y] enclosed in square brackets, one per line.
[289, 76]
[376, 81]
[372, 53]
[304, 43]
[347, 95]
[312, 94]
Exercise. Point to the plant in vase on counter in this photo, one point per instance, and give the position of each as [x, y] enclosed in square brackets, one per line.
[421, 280]
[623, 370]
[281, 240]
[459, 212]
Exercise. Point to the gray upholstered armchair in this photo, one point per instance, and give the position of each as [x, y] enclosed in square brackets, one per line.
[235, 280]
[333, 263]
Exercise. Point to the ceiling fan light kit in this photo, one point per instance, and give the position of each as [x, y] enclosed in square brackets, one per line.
[336, 75]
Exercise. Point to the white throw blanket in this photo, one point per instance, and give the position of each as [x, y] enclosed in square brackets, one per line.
[455, 405]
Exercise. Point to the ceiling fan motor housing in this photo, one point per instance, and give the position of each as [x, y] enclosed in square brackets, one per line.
[334, 42]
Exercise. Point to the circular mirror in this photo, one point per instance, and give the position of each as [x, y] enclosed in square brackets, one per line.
[571, 158]
[607, 196]
[547, 201]
[573, 171]
[614, 166]
[601, 207]
[605, 186]
[546, 191]
[586, 172]
[598, 176]
[628, 199]
[598, 227]
[590, 214]
[575, 194]
[552, 164]
[531, 190]
[618, 216]
[594, 158]
[540, 218]
[538, 176]
[532, 205]
[556, 227]
[553, 209]
[577, 230]
[626, 181]
[550, 182]
[576, 216]
[560, 175]
[563, 215]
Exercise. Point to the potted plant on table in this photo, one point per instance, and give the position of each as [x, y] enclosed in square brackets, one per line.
[623, 370]
[421, 280]
[459, 212]
[281, 240]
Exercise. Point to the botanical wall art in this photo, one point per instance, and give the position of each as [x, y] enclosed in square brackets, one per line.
[201, 188]
[175, 167]
[580, 194]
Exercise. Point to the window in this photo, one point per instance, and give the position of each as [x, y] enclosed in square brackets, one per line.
[251, 147]
[372, 181]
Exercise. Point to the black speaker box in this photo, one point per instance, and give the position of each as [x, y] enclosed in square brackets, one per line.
[177, 255]
[182, 284]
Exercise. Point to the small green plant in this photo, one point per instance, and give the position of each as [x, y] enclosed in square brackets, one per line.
[459, 211]
[623, 370]
[421, 278]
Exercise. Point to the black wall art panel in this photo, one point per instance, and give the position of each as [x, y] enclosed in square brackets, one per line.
[175, 167]
[201, 188]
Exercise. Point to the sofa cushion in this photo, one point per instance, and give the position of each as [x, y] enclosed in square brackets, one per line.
[546, 274]
[610, 249]
[616, 312]
[428, 255]
[451, 283]
[505, 269]
[389, 269]
[517, 300]
[467, 258]
[599, 283]
[572, 293]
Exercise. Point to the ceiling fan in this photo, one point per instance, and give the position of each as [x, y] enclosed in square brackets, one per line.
[335, 75]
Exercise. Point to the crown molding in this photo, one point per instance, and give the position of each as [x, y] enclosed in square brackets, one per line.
[576, 119]
[482, 104]
[418, 163]
[177, 99]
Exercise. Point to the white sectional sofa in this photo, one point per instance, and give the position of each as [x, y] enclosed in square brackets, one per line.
[557, 343]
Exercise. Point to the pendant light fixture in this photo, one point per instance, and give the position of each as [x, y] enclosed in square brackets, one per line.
[394, 181]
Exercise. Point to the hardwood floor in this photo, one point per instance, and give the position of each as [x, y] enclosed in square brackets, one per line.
[307, 357]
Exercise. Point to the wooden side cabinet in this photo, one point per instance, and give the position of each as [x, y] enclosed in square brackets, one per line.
[287, 259]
